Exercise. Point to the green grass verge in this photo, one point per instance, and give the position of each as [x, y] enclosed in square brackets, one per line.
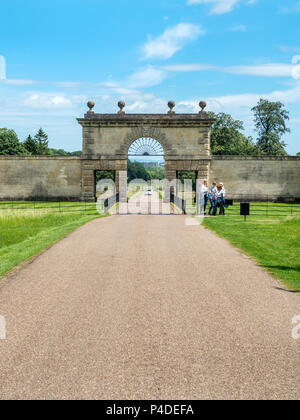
[24, 234]
[273, 241]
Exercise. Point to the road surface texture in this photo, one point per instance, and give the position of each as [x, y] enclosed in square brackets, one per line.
[148, 204]
[147, 307]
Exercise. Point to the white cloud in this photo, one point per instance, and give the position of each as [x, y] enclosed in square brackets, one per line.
[172, 40]
[185, 68]
[290, 9]
[220, 7]
[66, 84]
[288, 49]
[146, 78]
[19, 82]
[245, 101]
[47, 100]
[2, 68]
[266, 70]
[143, 78]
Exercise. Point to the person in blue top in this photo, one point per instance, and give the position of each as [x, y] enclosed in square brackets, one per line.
[212, 195]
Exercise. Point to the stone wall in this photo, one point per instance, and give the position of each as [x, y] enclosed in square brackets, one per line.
[40, 177]
[257, 177]
[72, 178]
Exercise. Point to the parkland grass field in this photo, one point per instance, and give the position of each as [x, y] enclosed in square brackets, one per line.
[273, 239]
[27, 228]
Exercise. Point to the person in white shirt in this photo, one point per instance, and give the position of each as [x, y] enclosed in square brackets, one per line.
[220, 199]
[223, 190]
[204, 193]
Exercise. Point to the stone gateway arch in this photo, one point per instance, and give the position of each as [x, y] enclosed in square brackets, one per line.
[183, 140]
[107, 138]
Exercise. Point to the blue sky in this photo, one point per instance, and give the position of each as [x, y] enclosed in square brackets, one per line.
[61, 53]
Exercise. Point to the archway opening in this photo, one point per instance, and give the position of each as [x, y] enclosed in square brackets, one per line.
[146, 160]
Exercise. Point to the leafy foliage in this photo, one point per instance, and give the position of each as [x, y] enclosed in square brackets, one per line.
[136, 170]
[270, 122]
[227, 139]
[30, 145]
[10, 144]
[182, 175]
[41, 139]
[105, 175]
[156, 173]
[62, 152]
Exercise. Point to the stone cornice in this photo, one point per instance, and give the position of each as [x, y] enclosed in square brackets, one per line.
[133, 120]
[39, 157]
[274, 158]
[166, 157]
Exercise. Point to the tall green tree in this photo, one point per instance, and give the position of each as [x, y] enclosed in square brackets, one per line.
[270, 121]
[31, 145]
[226, 136]
[10, 144]
[136, 170]
[42, 142]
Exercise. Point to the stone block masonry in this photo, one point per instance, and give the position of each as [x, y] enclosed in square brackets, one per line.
[40, 178]
[258, 177]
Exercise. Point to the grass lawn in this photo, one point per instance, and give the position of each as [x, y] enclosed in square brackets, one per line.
[273, 241]
[25, 232]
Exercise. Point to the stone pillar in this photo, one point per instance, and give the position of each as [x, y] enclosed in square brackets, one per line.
[170, 176]
[121, 184]
[88, 182]
[203, 171]
[88, 186]
[171, 170]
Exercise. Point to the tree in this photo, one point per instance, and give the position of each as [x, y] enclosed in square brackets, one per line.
[270, 121]
[298, 154]
[58, 152]
[100, 175]
[156, 173]
[136, 170]
[62, 152]
[226, 136]
[10, 144]
[41, 139]
[191, 175]
[31, 145]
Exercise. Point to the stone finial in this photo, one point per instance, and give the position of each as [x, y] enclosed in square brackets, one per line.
[91, 105]
[171, 105]
[121, 105]
[202, 105]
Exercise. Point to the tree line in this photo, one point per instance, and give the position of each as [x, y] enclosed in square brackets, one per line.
[227, 137]
[38, 145]
[270, 119]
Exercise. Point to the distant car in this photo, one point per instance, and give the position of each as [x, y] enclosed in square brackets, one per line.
[149, 192]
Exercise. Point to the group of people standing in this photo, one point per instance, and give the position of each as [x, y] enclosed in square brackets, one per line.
[215, 195]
